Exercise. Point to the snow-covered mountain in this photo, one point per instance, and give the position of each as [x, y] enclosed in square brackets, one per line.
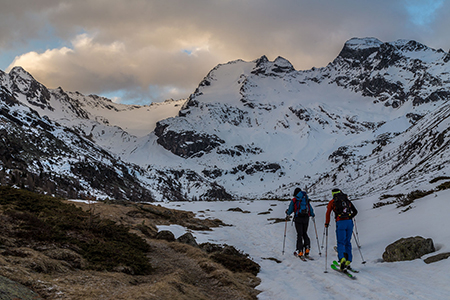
[59, 142]
[262, 127]
[373, 119]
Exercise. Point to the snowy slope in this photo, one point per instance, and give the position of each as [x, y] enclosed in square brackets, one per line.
[60, 143]
[259, 126]
[256, 235]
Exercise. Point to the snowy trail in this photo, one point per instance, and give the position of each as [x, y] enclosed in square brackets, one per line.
[254, 234]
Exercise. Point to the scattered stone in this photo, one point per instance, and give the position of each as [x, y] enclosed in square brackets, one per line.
[408, 249]
[277, 220]
[264, 213]
[165, 235]
[12, 290]
[231, 258]
[238, 209]
[188, 238]
[71, 257]
[272, 258]
[437, 257]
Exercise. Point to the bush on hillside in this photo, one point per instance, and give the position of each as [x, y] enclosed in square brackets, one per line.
[443, 186]
[36, 220]
[402, 200]
[439, 178]
[231, 258]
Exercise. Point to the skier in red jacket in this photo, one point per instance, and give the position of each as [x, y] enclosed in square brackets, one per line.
[344, 211]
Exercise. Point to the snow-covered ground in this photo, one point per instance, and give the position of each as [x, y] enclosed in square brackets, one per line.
[261, 238]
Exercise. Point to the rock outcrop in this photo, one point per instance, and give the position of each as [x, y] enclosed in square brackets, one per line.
[408, 249]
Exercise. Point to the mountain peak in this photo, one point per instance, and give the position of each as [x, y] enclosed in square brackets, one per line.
[18, 71]
[410, 45]
[262, 60]
[360, 48]
[363, 43]
[283, 63]
[276, 68]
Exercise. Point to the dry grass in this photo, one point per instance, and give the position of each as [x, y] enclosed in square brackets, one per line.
[180, 271]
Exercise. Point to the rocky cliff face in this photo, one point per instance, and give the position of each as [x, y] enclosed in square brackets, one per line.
[393, 73]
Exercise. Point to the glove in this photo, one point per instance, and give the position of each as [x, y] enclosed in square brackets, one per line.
[326, 225]
[313, 215]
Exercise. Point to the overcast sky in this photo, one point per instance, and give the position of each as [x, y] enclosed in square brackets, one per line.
[139, 51]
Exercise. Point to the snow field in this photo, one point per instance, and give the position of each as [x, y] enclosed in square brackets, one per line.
[261, 238]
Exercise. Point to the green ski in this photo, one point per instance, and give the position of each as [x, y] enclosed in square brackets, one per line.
[348, 268]
[345, 272]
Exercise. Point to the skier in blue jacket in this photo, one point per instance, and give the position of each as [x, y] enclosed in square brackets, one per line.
[302, 210]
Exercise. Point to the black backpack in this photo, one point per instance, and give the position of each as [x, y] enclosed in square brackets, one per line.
[342, 206]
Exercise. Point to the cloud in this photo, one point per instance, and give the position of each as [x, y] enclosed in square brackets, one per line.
[99, 68]
[161, 49]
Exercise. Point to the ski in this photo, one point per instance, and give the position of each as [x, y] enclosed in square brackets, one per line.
[345, 272]
[301, 257]
[349, 269]
[309, 257]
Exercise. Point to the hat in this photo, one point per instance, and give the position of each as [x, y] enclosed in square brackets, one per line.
[296, 191]
[335, 191]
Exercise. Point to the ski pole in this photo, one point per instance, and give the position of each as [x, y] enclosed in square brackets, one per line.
[359, 248]
[326, 252]
[317, 237]
[323, 238]
[357, 235]
[284, 240]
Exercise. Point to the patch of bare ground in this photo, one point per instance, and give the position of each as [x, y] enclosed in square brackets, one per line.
[178, 270]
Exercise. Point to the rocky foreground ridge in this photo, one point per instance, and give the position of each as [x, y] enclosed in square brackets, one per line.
[57, 249]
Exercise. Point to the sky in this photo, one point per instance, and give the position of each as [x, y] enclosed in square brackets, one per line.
[144, 51]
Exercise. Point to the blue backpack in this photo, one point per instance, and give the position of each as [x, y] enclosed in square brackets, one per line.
[301, 205]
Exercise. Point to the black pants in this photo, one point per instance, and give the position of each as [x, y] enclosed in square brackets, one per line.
[301, 225]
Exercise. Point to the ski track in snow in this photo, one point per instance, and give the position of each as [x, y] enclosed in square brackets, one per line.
[254, 234]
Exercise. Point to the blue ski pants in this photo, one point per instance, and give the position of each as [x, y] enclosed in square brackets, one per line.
[344, 230]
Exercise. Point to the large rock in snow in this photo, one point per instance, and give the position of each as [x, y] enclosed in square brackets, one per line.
[408, 249]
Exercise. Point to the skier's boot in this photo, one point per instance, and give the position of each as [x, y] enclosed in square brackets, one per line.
[307, 252]
[342, 264]
[347, 265]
